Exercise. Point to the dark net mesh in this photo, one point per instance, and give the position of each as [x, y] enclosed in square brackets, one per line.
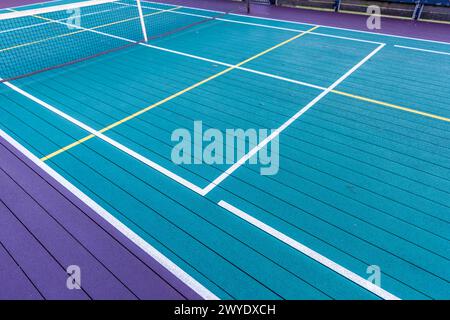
[34, 41]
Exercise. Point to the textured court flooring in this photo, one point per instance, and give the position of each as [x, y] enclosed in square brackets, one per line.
[364, 173]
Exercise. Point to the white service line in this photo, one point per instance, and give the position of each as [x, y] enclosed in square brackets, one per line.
[369, 286]
[53, 21]
[112, 142]
[423, 50]
[285, 125]
[136, 239]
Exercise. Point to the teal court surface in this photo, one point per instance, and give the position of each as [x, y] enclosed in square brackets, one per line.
[363, 123]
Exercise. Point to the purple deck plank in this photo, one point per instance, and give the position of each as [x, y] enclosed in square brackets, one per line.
[392, 26]
[146, 278]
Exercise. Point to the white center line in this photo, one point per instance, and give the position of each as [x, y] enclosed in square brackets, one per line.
[423, 50]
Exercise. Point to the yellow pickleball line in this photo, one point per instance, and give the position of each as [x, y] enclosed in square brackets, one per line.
[179, 93]
[391, 105]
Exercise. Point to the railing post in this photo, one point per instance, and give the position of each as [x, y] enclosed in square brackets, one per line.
[418, 10]
[337, 5]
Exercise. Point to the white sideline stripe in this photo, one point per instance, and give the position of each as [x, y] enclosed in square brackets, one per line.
[424, 50]
[112, 142]
[310, 253]
[136, 239]
[274, 134]
[310, 24]
[39, 11]
[257, 24]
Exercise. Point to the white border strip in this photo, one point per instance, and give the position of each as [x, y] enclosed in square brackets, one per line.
[50, 9]
[277, 132]
[423, 50]
[310, 253]
[136, 239]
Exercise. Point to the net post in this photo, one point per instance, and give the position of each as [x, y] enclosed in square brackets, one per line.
[141, 17]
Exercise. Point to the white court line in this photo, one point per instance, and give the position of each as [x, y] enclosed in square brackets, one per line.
[309, 24]
[136, 239]
[112, 142]
[310, 253]
[285, 125]
[424, 50]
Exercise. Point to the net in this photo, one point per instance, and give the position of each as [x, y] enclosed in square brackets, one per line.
[177, 17]
[34, 41]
